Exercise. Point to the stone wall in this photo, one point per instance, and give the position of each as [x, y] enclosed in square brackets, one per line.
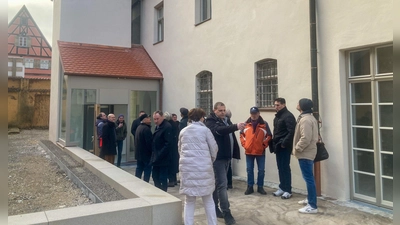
[28, 102]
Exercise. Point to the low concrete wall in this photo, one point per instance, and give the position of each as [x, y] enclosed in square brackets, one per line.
[147, 205]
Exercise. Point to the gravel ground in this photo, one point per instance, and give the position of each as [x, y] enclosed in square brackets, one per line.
[36, 183]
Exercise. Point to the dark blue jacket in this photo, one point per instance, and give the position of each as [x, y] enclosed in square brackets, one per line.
[162, 145]
[143, 143]
[109, 139]
[221, 134]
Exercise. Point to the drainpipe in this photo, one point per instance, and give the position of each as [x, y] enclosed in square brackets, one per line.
[314, 83]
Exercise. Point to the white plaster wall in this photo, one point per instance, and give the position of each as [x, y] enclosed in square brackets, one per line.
[55, 77]
[101, 22]
[343, 25]
[242, 32]
[90, 21]
[239, 34]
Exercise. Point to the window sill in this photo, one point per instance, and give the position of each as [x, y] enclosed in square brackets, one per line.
[267, 109]
[158, 42]
[197, 24]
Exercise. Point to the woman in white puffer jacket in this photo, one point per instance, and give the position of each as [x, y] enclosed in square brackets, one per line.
[198, 150]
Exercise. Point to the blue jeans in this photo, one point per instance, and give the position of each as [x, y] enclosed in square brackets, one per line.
[120, 144]
[160, 176]
[221, 183]
[141, 168]
[306, 167]
[250, 169]
[285, 174]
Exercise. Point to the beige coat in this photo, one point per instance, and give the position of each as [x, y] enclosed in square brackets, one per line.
[306, 137]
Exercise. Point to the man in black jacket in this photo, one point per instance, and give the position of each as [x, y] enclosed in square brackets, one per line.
[228, 148]
[162, 148]
[136, 123]
[282, 142]
[143, 145]
[109, 139]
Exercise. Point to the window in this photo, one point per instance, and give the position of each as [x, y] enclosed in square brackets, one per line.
[28, 63]
[44, 64]
[22, 41]
[160, 22]
[266, 83]
[204, 91]
[370, 77]
[202, 11]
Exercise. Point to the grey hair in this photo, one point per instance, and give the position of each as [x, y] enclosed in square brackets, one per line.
[167, 116]
[228, 113]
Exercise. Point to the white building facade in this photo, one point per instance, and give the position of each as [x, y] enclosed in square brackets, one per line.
[247, 53]
[211, 51]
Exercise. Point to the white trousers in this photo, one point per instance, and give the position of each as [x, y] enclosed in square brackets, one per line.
[209, 206]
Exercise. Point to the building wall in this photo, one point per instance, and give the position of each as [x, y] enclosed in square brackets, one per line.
[241, 33]
[28, 103]
[342, 26]
[91, 21]
[237, 36]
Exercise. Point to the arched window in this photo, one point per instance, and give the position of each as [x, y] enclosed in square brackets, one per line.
[204, 91]
[266, 83]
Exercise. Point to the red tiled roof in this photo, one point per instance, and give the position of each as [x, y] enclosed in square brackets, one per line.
[107, 61]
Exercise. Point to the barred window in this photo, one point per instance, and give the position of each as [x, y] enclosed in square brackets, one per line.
[267, 83]
[204, 91]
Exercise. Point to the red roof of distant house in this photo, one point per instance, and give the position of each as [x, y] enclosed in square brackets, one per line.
[107, 61]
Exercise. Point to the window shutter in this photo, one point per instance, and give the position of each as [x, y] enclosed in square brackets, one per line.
[16, 41]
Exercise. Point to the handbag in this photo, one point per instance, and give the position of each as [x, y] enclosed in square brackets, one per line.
[322, 153]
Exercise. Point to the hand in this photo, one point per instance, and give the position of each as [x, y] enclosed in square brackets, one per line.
[120, 125]
[241, 126]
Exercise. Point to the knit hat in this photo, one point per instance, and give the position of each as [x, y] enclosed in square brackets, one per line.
[305, 104]
[143, 116]
[121, 115]
[184, 111]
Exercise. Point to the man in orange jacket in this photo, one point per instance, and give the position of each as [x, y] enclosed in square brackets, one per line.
[254, 139]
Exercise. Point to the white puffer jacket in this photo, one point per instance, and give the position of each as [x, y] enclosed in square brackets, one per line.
[198, 150]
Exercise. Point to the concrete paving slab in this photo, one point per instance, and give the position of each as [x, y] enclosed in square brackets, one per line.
[257, 209]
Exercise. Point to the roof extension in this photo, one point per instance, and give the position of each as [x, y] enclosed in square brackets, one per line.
[80, 59]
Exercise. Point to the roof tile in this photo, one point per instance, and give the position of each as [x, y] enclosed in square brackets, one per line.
[107, 61]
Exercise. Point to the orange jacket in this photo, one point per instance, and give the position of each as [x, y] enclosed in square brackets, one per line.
[255, 141]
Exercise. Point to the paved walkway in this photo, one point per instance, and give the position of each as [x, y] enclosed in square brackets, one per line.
[256, 209]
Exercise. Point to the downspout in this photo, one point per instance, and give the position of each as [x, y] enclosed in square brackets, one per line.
[314, 83]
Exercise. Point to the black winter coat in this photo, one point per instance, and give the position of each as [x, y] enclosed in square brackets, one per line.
[284, 126]
[174, 154]
[109, 139]
[162, 145]
[143, 143]
[221, 134]
[183, 123]
[135, 125]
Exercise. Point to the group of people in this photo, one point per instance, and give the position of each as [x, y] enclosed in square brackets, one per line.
[208, 144]
[111, 133]
[201, 148]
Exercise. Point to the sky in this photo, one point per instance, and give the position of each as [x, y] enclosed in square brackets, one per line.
[40, 10]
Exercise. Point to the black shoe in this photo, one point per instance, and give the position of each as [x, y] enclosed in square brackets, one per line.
[261, 190]
[249, 190]
[229, 220]
[171, 184]
[230, 186]
[219, 213]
